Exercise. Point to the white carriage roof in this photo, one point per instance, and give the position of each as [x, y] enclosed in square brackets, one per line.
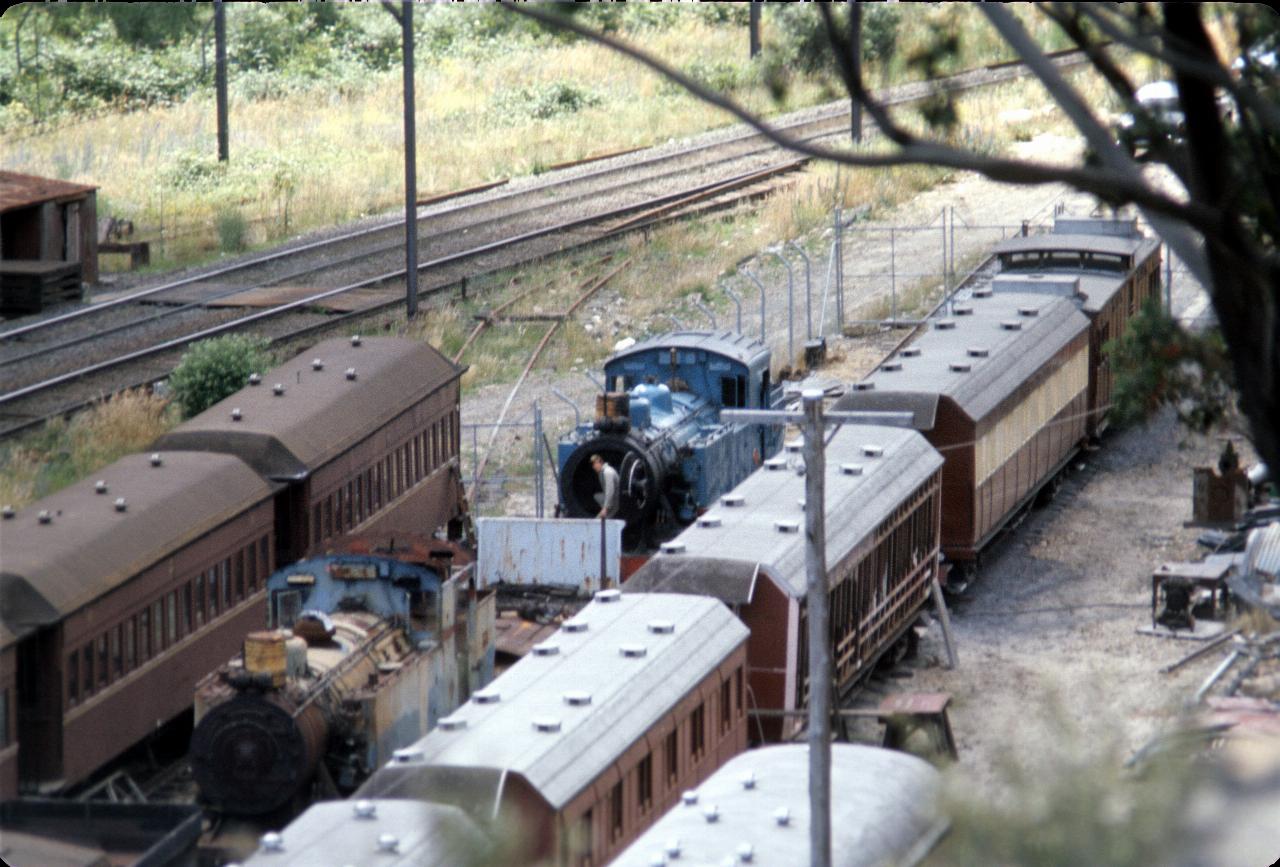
[883, 810]
[566, 712]
[871, 469]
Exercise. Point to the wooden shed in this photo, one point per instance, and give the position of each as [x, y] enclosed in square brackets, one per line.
[48, 240]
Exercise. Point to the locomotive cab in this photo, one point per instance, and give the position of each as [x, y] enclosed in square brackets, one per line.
[658, 425]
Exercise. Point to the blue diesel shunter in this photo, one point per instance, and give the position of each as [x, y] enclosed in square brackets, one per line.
[658, 424]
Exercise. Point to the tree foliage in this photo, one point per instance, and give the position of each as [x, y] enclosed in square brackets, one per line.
[214, 369]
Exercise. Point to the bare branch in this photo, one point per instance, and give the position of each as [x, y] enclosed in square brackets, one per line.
[1068, 18]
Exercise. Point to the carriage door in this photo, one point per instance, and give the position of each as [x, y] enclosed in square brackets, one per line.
[40, 685]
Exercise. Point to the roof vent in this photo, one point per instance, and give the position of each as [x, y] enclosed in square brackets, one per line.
[351, 374]
[711, 813]
[487, 696]
[800, 502]
[944, 324]
[864, 386]
[121, 505]
[872, 450]
[156, 460]
[673, 845]
[910, 352]
[787, 526]
[577, 698]
[749, 780]
[782, 816]
[100, 486]
[672, 547]
[633, 651]
[960, 367]
[365, 809]
[891, 366]
[745, 852]
[661, 627]
[545, 649]
[451, 724]
[689, 798]
[775, 464]
[851, 469]
[278, 389]
[1011, 325]
[8, 512]
[961, 310]
[410, 755]
[45, 517]
[272, 842]
[978, 352]
[709, 521]
[255, 379]
[236, 415]
[355, 340]
[388, 842]
[317, 364]
[574, 626]
[982, 293]
[658, 859]
[794, 445]
[733, 500]
[546, 724]
[1028, 311]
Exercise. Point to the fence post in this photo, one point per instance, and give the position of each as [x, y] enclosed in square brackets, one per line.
[1168, 279]
[808, 291]
[893, 275]
[839, 272]
[791, 309]
[539, 495]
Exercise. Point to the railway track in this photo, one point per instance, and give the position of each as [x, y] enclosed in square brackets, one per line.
[61, 363]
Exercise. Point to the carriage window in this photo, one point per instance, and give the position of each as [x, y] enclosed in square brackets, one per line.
[144, 635]
[104, 673]
[157, 627]
[615, 811]
[73, 679]
[697, 732]
[733, 391]
[130, 643]
[673, 757]
[86, 656]
[287, 604]
[117, 660]
[726, 706]
[184, 608]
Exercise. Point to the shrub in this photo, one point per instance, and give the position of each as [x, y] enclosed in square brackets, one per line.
[233, 231]
[214, 369]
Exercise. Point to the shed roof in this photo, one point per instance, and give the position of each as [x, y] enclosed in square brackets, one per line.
[331, 832]
[731, 344]
[321, 413]
[625, 697]
[49, 570]
[1015, 344]
[730, 542]
[21, 191]
[883, 811]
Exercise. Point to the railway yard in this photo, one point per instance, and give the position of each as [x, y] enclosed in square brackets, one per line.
[1053, 674]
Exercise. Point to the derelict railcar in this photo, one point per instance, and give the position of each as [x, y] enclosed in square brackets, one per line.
[658, 425]
[999, 385]
[884, 810]
[363, 437]
[883, 505]
[120, 593]
[1107, 265]
[582, 744]
[367, 647]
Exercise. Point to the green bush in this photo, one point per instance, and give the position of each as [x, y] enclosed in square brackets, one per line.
[214, 369]
[233, 231]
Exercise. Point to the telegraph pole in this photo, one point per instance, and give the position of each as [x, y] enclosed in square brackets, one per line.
[813, 421]
[404, 15]
[220, 76]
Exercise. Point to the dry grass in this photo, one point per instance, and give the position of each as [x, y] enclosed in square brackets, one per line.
[62, 452]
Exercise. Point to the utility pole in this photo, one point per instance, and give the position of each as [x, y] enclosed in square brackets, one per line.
[405, 16]
[813, 421]
[220, 76]
[754, 27]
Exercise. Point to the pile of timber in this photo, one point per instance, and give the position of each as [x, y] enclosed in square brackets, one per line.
[31, 285]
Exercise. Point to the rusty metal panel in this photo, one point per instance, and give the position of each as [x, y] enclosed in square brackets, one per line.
[559, 552]
[21, 191]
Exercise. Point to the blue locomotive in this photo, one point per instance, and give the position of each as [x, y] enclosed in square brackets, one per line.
[658, 425]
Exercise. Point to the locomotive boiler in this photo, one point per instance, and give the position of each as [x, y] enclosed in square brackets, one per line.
[371, 644]
[658, 425]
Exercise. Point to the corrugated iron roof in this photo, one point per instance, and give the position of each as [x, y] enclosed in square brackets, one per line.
[729, 541]
[321, 413]
[731, 344]
[1010, 346]
[883, 806]
[619, 698]
[1262, 551]
[355, 832]
[50, 569]
[21, 191]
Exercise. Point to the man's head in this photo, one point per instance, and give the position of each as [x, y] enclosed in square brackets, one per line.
[597, 463]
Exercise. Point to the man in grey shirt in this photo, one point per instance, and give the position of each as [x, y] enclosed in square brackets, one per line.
[608, 498]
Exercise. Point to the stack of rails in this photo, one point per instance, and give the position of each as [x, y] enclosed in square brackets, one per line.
[883, 500]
